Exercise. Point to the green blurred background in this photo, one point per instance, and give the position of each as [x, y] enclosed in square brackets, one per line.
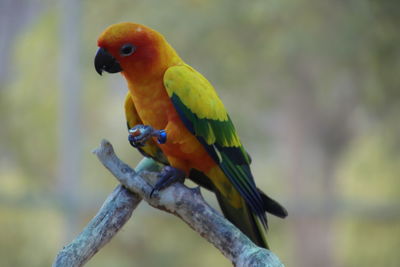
[312, 86]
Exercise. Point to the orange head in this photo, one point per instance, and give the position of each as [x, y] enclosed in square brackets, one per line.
[133, 49]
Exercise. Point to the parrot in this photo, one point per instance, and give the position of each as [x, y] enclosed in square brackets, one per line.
[175, 116]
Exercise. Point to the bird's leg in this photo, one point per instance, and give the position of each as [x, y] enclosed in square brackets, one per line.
[139, 135]
[168, 176]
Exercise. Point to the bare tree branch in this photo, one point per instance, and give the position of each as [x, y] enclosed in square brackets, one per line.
[188, 204]
[114, 213]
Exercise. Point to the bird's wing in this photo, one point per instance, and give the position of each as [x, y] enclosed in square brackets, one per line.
[204, 115]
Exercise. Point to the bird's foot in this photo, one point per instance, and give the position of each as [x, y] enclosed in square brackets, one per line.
[139, 135]
[168, 176]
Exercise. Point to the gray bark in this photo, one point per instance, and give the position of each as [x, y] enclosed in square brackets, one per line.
[177, 199]
[115, 212]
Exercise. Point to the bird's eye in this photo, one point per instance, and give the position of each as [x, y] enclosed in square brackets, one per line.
[127, 50]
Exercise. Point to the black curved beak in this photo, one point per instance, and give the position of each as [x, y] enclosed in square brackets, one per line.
[105, 61]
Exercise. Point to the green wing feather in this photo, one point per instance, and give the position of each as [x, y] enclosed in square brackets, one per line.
[204, 114]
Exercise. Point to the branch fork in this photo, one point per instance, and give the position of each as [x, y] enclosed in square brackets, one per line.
[186, 203]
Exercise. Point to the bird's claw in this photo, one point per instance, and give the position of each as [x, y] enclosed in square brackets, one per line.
[139, 135]
[168, 176]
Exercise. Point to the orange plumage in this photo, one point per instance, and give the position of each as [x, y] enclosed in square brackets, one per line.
[144, 73]
[167, 94]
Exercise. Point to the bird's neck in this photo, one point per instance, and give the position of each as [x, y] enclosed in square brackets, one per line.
[146, 86]
[143, 73]
[151, 99]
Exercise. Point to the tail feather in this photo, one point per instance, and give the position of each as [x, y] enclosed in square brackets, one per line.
[243, 217]
[272, 206]
[245, 220]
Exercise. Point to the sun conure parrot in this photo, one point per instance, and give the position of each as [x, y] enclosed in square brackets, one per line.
[176, 117]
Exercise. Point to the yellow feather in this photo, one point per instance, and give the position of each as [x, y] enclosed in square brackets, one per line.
[185, 82]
